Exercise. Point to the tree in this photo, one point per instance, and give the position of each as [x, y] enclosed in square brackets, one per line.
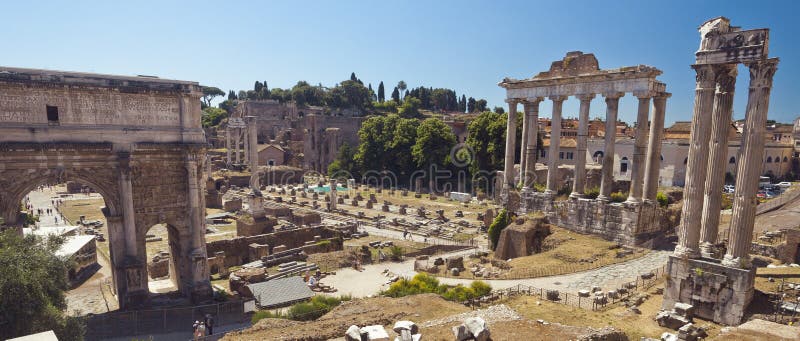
[344, 163]
[499, 110]
[471, 105]
[486, 139]
[32, 288]
[433, 144]
[381, 93]
[386, 143]
[480, 105]
[209, 92]
[353, 77]
[349, 94]
[462, 104]
[401, 85]
[212, 116]
[500, 222]
[410, 108]
[231, 95]
[396, 95]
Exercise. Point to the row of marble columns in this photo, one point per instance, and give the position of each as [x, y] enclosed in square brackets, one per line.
[705, 170]
[237, 144]
[646, 159]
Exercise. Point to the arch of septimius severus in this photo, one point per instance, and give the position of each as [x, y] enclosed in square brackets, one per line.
[136, 140]
[721, 289]
[634, 221]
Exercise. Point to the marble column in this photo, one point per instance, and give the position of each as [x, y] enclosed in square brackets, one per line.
[532, 117]
[523, 143]
[651, 173]
[237, 144]
[555, 141]
[607, 181]
[579, 184]
[195, 215]
[126, 198]
[718, 156]
[252, 137]
[749, 168]
[228, 145]
[639, 145]
[697, 165]
[333, 195]
[246, 137]
[511, 139]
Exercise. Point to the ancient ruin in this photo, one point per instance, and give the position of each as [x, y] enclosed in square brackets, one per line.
[721, 289]
[579, 75]
[135, 140]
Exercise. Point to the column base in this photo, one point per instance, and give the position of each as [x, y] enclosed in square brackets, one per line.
[737, 262]
[685, 252]
[603, 198]
[707, 250]
[575, 195]
[633, 200]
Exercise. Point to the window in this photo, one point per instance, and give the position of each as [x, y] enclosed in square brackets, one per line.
[785, 159]
[542, 153]
[570, 155]
[777, 159]
[732, 160]
[52, 114]
[271, 162]
[623, 165]
[686, 160]
[561, 155]
[769, 159]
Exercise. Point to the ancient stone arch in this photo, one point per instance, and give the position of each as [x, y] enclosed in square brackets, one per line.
[135, 140]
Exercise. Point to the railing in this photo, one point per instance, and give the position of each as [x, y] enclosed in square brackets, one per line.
[623, 291]
[161, 321]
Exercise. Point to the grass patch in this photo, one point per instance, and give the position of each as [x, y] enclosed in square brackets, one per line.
[305, 311]
[423, 284]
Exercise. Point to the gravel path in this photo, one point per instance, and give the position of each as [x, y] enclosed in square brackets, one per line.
[495, 313]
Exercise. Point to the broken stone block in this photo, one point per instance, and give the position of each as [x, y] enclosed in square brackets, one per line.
[461, 333]
[478, 328]
[438, 261]
[552, 295]
[353, 333]
[671, 320]
[684, 309]
[455, 263]
[583, 293]
[406, 325]
[375, 333]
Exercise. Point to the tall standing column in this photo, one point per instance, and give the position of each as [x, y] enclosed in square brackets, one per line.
[653, 167]
[749, 169]
[252, 137]
[237, 144]
[126, 197]
[195, 220]
[696, 165]
[607, 181]
[555, 141]
[246, 137]
[511, 139]
[523, 143]
[718, 157]
[531, 116]
[578, 186]
[638, 169]
[228, 145]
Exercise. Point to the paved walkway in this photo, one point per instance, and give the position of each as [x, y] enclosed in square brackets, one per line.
[43, 199]
[371, 280]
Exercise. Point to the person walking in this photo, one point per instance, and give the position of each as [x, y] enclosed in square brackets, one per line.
[200, 331]
[209, 321]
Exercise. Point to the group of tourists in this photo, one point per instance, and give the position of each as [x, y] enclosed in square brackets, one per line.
[203, 328]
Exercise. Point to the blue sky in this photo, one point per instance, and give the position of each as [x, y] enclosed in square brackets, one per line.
[468, 46]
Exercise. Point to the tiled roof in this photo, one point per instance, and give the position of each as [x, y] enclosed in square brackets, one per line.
[282, 291]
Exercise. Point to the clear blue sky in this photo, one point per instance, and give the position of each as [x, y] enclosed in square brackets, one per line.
[468, 46]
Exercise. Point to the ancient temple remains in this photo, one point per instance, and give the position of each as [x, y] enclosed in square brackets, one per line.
[721, 289]
[578, 74]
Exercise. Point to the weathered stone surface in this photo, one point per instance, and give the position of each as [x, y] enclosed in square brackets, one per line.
[478, 328]
[522, 238]
[455, 263]
[375, 333]
[353, 334]
[406, 325]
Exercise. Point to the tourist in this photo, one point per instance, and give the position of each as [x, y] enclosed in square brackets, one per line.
[200, 331]
[209, 321]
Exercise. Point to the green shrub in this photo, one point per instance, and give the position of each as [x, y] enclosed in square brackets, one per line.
[423, 283]
[539, 187]
[500, 222]
[591, 193]
[312, 310]
[618, 197]
[324, 243]
[662, 199]
[481, 288]
[727, 202]
[266, 314]
[396, 253]
[459, 293]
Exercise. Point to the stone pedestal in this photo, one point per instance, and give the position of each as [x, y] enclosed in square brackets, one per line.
[717, 292]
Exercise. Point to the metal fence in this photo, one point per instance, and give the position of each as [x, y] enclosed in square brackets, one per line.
[161, 321]
[620, 293]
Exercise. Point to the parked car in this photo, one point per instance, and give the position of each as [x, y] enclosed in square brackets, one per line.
[785, 184]
[761, 194]
[728, 189]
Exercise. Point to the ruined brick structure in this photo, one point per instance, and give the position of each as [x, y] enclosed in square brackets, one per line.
[135, 140]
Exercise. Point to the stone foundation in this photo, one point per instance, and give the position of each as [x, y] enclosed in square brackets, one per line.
[718, 293]
[625, 223]
[252, 226]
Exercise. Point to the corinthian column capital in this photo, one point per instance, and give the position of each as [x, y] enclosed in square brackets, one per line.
[761, 73]
[512, 101]
[557, 98]
[705, 75]
[585, 97]
[725, 77]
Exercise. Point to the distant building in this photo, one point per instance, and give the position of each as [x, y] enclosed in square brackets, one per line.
[271, 155]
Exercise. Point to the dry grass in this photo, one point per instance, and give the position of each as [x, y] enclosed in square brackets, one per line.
[618, 316]
[572, 252]
[72, 210]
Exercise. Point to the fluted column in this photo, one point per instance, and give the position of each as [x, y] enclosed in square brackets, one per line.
[749, 168]
[126, 198]
[639, 144]
[252, 137]
[555, 140]
[718, 156]
[195, 221]
[532, 123]
[654, 147]
[246, 137]
[579, 184]
[697, 165]
[237, 145]
[228, 145]
[607, 181]
[523, 144]
[511, 137]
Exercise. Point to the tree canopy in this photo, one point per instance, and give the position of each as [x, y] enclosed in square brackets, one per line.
[209, 92]
[32, 287]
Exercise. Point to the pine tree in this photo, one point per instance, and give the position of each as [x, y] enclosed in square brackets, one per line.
[353, 77]
[396, 95]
